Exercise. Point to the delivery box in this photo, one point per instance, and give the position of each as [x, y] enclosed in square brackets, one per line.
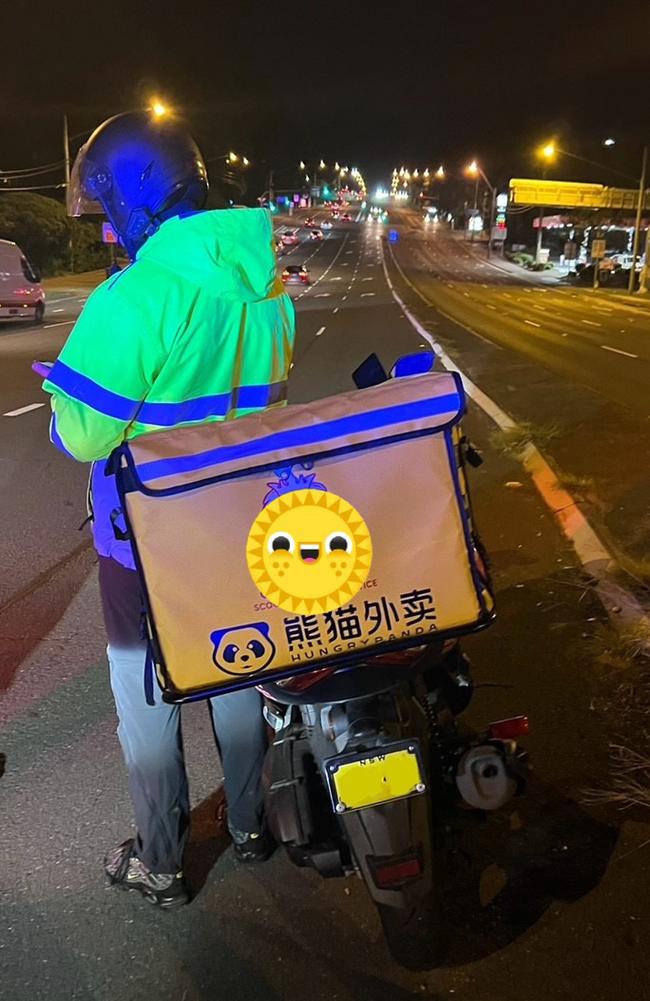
[304, 536]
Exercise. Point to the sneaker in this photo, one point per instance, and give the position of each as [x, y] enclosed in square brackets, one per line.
[254, 847]
[124, 869]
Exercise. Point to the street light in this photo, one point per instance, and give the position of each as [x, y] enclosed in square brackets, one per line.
[440, 173]
[475, 170]
[547, 153]
[302, 164]
[232, 158]
[472, 171]
[158, 108]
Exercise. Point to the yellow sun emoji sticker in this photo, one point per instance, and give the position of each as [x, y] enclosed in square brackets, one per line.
[309, 551]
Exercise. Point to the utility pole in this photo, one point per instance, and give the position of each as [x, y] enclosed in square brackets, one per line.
[637, 230]
[271, 192]
[540, 231]
[66, 162]
[493, 215]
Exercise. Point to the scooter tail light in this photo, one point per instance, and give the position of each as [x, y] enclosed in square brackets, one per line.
[389, 873]
[510, 729]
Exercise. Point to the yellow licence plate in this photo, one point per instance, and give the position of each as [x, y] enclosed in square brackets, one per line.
[370, 778]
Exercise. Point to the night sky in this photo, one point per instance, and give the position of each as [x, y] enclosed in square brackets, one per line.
[432, 82]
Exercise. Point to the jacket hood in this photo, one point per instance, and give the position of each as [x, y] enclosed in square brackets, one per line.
[227, 251]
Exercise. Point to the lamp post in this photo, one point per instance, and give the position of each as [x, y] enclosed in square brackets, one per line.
[547, 153]
[637, 231]
[66, 163]
[475, 170]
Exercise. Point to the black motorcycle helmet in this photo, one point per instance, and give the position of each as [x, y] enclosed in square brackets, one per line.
[139, 170]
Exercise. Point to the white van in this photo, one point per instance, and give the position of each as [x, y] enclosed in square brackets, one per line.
[21, 293]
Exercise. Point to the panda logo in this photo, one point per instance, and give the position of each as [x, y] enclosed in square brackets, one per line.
[243, 650]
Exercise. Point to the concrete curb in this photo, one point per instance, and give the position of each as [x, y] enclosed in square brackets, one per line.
[621, 605]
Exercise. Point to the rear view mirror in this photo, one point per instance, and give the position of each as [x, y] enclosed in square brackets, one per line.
[370, 372]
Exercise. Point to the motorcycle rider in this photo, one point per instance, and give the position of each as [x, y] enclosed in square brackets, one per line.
[197, 328]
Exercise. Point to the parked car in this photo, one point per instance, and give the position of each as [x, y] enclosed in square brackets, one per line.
[21, 293]
[625, 260]
[295, 274]
[612, 277]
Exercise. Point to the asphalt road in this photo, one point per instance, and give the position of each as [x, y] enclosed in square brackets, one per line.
[571, 363]
[550, 898]
[596, 339]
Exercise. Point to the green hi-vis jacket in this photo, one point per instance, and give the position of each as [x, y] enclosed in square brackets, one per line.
[197, 329]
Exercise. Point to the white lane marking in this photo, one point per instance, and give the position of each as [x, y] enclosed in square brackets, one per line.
[490, 306]
[320, 331]
[349, 251]
[367, 279]
[23, 410]
[618, 351]
[531, 323]
[65, 298]
[591, 552]
[322, 295]
[366, 295]
[59, 310]
[335, 310]
[344, 298]
[542, 308]
[591, 323]
[337, 278]
[327, 269]
[61, 323]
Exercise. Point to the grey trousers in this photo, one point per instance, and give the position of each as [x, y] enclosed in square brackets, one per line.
[150, 734]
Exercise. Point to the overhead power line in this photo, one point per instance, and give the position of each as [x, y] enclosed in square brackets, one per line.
[35, 187]
[44, 168]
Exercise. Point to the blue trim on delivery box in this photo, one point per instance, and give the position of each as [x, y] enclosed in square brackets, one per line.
[314, 434]
[132, 481]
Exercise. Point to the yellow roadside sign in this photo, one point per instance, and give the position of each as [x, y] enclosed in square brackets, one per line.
[572, 194]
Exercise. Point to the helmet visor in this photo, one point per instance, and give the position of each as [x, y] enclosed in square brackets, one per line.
[78, 201]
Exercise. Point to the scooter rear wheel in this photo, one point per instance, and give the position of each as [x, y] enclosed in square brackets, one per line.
[416, 936]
